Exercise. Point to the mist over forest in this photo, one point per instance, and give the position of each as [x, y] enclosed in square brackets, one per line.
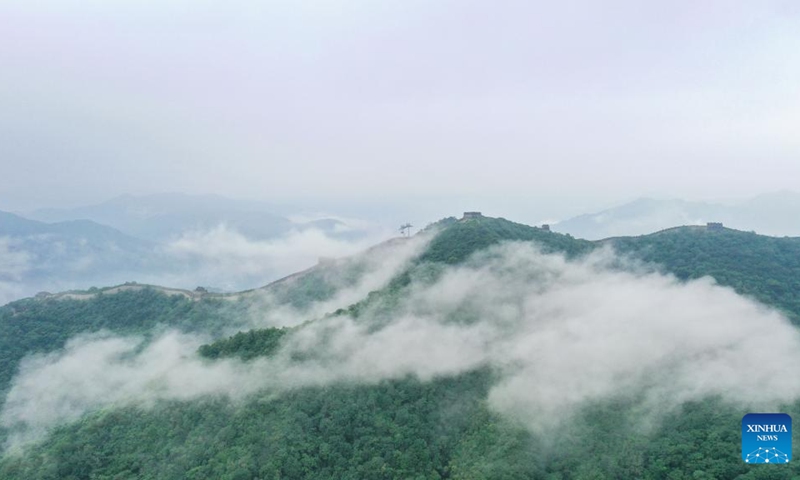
[493, 330]
[399, 239]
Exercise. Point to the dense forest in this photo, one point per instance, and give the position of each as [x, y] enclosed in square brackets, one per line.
[406, 427]
[759, 266]
[37, 326]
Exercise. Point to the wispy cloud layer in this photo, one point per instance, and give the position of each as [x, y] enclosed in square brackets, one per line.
[557, 332]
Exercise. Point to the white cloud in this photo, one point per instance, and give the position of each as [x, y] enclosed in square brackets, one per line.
[375, 268]
[558, 332]
[222, 257]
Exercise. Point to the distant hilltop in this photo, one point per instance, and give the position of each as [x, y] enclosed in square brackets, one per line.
[772, 214]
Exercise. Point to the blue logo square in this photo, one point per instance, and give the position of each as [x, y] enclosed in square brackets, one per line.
[766, 438]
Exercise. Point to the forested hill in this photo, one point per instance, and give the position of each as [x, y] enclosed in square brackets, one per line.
[458, 239]
[401, 426]
[45, 323]
[766, 268]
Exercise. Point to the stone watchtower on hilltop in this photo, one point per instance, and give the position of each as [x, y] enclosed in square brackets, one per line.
[714, 225]
[468, 215]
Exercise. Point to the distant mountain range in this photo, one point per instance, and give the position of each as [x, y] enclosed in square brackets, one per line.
[186, 240]
[36, 255]
[224, 244]
[167, 216]
[773, 214]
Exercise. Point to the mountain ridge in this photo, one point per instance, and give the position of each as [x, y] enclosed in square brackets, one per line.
[462, 237]
[770, 214]
[407, 426]
[165, 216]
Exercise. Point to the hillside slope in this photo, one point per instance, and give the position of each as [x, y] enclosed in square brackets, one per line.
[410, 423]
[766, 268]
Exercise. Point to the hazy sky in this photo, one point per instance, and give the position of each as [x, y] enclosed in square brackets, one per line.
[545, 105]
